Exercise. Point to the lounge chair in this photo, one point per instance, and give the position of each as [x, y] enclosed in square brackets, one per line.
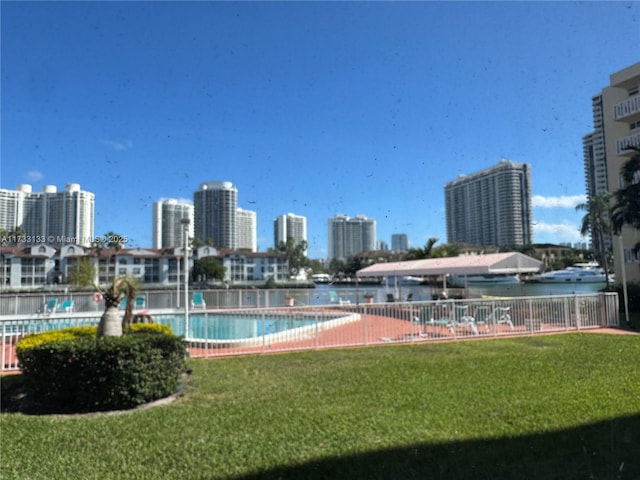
[141, 302]
[482, 316]
[197, 301]
[436, 316]
[461, 318]
[500, 315]
[50, 305]
[66, 306]
[337, 299]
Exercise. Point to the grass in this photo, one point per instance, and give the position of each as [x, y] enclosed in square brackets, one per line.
[564, 406]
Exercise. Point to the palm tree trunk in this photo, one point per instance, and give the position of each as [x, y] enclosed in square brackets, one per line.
[110, 324]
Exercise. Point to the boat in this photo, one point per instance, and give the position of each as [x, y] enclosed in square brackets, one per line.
[404, 280]
[321, 278]
[577, 273]
[459, 281]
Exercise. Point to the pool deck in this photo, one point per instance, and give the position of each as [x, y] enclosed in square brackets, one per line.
[368, 330]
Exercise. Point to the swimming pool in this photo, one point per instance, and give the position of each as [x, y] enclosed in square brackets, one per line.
[245, 327]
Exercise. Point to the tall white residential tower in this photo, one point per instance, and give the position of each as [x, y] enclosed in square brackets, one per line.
[215, 211]
[247, 230]
[289, 225]
[350, 236]
[49, 216]
[167, 222]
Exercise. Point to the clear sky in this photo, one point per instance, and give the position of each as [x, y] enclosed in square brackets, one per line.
[311, 108]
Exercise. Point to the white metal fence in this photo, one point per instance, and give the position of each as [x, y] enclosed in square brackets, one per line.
[218, 332]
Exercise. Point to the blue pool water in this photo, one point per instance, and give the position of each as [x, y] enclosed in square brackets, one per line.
[231, 327]
[210, 326]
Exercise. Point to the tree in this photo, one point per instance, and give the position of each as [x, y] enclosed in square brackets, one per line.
[84, 274]
[207, 268]
[626, 210]
[295, 252]
[420, 253]
[596, 221]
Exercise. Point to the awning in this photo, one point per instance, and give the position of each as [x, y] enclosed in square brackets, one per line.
[495, 263]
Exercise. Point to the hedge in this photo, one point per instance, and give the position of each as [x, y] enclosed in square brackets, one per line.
[84, 373]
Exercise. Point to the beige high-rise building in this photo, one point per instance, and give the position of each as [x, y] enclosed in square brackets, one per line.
[616, 127]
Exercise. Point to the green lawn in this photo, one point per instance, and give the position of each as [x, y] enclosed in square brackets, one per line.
[564, 406]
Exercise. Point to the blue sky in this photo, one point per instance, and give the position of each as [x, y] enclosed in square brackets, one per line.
[312, 108]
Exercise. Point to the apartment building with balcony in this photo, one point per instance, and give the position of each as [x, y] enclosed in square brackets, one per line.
[350, 236]
[215, 213]
[49, 216]
[167, 221]
[491, 207]
[616, 127]
[287, 226]
[247, 230]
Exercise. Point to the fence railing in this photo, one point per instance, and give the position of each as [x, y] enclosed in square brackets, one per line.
[217, 332]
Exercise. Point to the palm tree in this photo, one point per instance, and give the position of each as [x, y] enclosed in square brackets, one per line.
[596, 221]
[110, 324]
[420, 253]
[626, 210]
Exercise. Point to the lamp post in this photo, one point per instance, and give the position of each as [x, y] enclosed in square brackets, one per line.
[185, 244]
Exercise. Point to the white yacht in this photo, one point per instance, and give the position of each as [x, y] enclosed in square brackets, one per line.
[458, 281]
[577, 273]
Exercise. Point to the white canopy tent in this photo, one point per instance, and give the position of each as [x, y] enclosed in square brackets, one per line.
[495, 263]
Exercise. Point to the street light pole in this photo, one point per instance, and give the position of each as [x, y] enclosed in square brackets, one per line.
[185, 243]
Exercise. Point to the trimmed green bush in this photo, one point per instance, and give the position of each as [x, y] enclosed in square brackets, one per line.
[84, 373]
[36, 339]
[148, 328]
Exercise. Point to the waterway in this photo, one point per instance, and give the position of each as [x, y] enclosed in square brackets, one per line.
[426, 292]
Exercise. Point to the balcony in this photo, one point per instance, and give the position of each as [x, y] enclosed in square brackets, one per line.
[623, 144]
[627, 110]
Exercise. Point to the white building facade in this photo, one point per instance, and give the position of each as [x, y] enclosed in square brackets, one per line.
[350, 236]
[247, 230]
[168, 215]
[287, 226]
[49, 216]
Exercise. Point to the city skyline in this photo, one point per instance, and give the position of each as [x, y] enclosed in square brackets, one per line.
[303, 108]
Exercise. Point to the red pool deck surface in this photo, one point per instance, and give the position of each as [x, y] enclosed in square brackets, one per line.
[379, 330]
[368, 330]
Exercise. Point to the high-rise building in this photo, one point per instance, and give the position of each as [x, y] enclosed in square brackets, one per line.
[399, 242]
[350, 236]
[616, 123]
[595, 162]
[491, 207]
[51, 217]
[287, 226]
[247, 230]
[168, 229]
[215, 209]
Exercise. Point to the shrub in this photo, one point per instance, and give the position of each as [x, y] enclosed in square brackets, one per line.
[36, 339]
[148, 328]
[85, 373]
